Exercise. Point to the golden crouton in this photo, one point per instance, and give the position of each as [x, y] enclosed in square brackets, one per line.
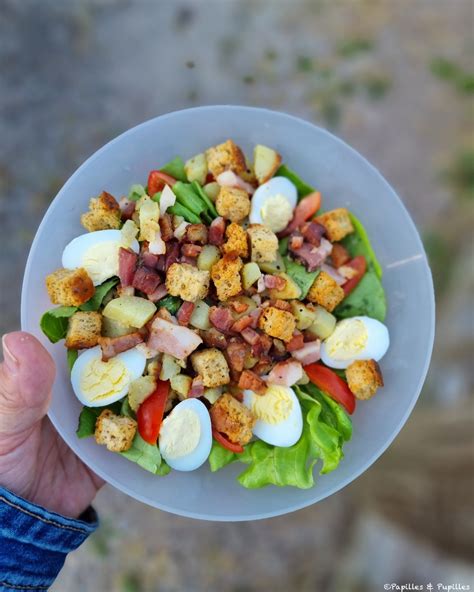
[115, 431]
[104, 213]
[364, 378]
[263, 243]
[236, 240]
[187, 282]
[226, 276]
[337, 223]
[224, 157]
[233, 203]
[233, 419]
[212, 366]
[326, 292]
[277, 323]
[69, 287]
[84, 329]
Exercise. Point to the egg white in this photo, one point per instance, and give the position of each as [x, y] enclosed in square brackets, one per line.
[75, 251]
[275, 186]
[283, 434]
[378, 342]
[199, 455]
[133, 359]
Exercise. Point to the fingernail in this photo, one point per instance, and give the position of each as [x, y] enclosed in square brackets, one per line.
[10, 361]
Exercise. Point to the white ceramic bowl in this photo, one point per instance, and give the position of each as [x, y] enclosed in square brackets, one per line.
[345, 179]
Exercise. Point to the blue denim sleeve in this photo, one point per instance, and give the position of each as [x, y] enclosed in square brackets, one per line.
[34, 542]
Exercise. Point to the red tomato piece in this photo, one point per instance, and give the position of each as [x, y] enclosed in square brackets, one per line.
[305, 210]
[157, 180]
[360, 265]
[332, 384]
[223, 441]
[150, 413]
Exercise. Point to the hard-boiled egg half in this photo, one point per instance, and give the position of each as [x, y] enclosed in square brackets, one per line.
[278, 412]
[97, 253]
[186, 436]
[358, 338]
[273, 204]
[97, 383]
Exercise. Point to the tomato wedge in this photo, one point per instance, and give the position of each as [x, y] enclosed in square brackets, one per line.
[157, 180]
[150, 412]
[305, 209]
[223, 441]
[329, 382]
[360, 265]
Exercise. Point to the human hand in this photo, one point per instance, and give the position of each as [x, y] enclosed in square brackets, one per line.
[35, 463]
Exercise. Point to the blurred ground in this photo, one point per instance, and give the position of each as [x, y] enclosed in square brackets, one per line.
[394, 79]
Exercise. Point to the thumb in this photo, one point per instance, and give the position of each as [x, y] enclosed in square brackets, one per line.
[26, 377]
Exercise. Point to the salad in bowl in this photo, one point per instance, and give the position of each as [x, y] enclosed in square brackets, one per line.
[220, 314]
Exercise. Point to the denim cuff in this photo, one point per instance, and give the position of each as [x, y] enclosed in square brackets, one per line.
[34, 542]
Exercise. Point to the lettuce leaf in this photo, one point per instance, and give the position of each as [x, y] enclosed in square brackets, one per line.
[146, 456]
[302, 187]
[300, 275]
[175, 168]
[54, 322]
[358, 243]
[325, 429]
[100, 293]
[71, 356]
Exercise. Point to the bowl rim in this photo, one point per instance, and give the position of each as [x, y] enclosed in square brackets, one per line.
[427, 277]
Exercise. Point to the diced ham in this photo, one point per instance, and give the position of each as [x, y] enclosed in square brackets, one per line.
[146, 280]
[262, 346]
[251, 381]
[148, 259]
[230, 179]
[274, 282]
[160, 292]
[166, 226]
[255, 314]
[111, 346]
[282, 305]
[296, 342]
[263, 366]
[339, 255]
[221, 318]
[196, 233]
[336, 276]
[214, 338]
[163, 313]
[295, 242]
[190, 250]
[127, 208]
[312, 256]
[172, 339]
[217, 231]
[127, 264]
[184, 313]
[242, 323]
[235, 354]
[189, 260]
[286, 373]
[309, 353]
[239, 306]
[197, 387]
[172, 254]
[305, 210]
[250, 336]
[313, 232]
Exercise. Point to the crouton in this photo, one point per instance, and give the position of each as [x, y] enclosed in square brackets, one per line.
[263, 243]
[212, 366]
[337, 223]
[84, 329]
[233, 419]
[233, 203]
[236, 240]
[115, 431]
[224, 157]
[187, 282]
[326, 292]
[226, 276]
[104, 213]
[277, 323]
[69, 287]
[364, 378]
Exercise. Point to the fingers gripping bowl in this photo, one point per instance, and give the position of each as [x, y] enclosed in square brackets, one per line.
[201, 493]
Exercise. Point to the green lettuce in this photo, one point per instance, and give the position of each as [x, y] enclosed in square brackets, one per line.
[302, 187]
[54, 322]
[300, 275]
[146, 456]
[175, 168]
[325, 429]
[100, 293]
[358, 243]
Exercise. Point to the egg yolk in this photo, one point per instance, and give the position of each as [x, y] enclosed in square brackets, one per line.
[101, 261]
[348, 339]
[276, 212]
[101, 380]
[180, 433]
[274, 406]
